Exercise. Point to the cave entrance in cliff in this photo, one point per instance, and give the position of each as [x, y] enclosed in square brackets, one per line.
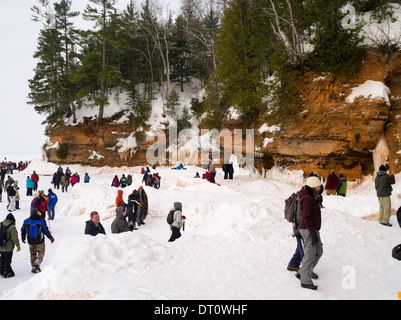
[380, 154]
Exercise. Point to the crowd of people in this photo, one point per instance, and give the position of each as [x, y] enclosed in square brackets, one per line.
[309, 248]
[130, 215]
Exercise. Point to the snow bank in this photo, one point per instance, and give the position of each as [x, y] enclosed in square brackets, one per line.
[236, 244]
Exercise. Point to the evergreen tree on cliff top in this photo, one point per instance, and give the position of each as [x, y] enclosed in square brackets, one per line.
[51, 90]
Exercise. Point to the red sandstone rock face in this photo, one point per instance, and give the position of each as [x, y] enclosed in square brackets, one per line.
[331, 133]
[328, 133]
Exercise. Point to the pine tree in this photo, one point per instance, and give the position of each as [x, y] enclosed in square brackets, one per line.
[241, 53]
[101, 16]
[51, 89]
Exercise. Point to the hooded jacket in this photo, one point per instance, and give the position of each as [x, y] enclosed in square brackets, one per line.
[12, 234]
[177, 218]
[35, 229]
[310, 210]
[119, 198]
[119, 224]
[383, 184]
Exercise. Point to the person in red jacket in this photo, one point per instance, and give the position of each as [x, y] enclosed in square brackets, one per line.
[331, 183]
[309, 227]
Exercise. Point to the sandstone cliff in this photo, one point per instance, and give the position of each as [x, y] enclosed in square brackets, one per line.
[338, 127]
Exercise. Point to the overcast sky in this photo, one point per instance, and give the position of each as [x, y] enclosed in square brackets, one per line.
[21, 131]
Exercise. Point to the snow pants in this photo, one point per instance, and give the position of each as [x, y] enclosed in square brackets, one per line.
[37, 252]
[385, 209]
[175, 234]
[5, 263]
[312, 255]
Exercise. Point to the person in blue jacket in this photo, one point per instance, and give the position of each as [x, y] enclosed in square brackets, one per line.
[34, 230]
[86, 178]
[52, 204]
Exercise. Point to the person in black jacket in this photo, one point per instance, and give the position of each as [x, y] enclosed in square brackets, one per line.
[132, 207]
[93, 226]
[383, 182]
[11, 193]
[34, 230]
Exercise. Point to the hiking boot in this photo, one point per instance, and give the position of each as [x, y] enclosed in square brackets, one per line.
[314, 276]
[35, 268]
[309, 286]
[9, 275]
[292, 268]
[386, 224]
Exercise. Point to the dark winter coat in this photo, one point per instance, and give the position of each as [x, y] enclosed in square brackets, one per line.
[383, 184]
[332, 182]
[310, 210]
[35, 229]
[92, 229]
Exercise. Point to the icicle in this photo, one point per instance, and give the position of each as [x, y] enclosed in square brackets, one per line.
[380, 154]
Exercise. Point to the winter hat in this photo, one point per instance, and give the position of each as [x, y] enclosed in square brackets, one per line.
[119, 210]
[178, 206]
[396, 253]
[10, 217]
[313, 182]
[382, 168]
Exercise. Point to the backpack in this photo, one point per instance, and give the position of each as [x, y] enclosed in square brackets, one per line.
[292, 213]
[170, 217]
[3, 234]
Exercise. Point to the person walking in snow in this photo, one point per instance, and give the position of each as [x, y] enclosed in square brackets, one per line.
[34, 230]
[142, 207]
[64, 183]
[6, 252]
[132, 208]
[93, 226]
[51, 207]
[35, 179]
[212, 170]
[17, 196]
[123, 181]
[116, 182]
[11, 193]
[119, 199]
[177, 222]
[383, 182]
[309, 228]
[74, 179]
[29, 186]
[86, 178]
[331, 183]
[119, 224]
[342, 186]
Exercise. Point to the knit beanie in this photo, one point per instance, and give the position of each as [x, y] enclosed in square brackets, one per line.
[382, 168]
[313, 182]
[10, 217]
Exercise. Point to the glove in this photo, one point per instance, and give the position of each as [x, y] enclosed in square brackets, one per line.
[18, 248]
[183, 217]
[315, 238]
[51, 240]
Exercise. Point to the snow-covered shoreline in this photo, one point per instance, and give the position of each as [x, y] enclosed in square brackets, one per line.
[236, 244]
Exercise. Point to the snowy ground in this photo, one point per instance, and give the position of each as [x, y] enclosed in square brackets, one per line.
[236, 244]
